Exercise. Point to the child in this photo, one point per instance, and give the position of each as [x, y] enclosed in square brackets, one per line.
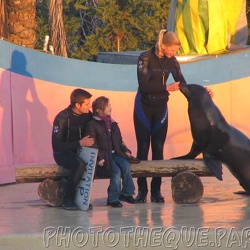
[113, 155]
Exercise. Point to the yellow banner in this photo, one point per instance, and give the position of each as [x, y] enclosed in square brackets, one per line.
[206, 27]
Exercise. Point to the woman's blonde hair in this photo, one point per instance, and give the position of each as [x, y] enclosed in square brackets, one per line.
[168, 38]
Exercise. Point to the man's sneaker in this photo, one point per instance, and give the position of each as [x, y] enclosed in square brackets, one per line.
[68, 204]
[114, 204]
[128, 198]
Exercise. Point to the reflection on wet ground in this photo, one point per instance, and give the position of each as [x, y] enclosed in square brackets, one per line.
[22, 212]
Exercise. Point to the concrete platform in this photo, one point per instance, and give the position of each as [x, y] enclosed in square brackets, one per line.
[221, 220]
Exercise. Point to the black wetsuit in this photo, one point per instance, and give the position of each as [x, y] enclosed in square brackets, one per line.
[150, 109]
[68, 129]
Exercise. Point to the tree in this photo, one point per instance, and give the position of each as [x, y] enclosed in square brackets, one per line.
[58, 35]
[126, 25]
[115, 25]
[21, 22]
[3, 19]
[69, 19]
[100, 25]
[93, 26]
[89, 20]
[248, 19]
[42, 24]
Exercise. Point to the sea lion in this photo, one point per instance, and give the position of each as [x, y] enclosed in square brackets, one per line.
[218, 141]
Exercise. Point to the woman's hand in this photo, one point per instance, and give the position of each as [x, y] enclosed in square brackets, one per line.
[173, 86]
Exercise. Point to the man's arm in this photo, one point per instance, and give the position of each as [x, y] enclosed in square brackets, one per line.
[59, 135]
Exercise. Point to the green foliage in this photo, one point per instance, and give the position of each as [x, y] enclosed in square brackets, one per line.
[94, 26]
[42, 25]
[72, 25]
[127, 25]
[248, 19]
[108, 25]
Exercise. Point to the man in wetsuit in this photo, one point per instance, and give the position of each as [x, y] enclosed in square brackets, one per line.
[67, 136]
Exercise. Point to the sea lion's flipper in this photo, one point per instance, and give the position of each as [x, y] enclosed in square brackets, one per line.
[214, 165]
[194, 151]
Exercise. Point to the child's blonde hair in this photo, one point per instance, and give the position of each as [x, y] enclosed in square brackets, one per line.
[168, 38]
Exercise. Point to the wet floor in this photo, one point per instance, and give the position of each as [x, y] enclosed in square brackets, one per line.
[25, 221]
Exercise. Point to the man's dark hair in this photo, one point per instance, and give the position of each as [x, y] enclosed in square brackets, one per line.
[79, 96]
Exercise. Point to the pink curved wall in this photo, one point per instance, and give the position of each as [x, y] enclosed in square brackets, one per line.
[35, 104]
[28, 106]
